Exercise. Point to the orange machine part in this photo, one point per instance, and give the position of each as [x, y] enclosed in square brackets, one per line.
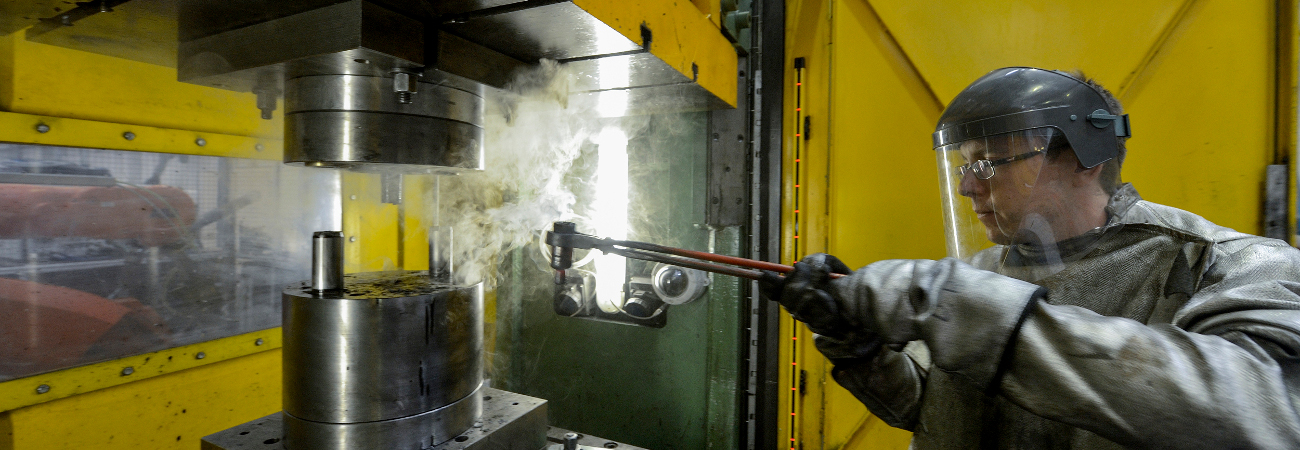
[45, 327]
[153, 215]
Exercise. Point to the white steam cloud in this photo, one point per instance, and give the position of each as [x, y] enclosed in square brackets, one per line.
[536, 133]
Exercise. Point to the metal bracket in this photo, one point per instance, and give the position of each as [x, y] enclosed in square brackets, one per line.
[1101, 118]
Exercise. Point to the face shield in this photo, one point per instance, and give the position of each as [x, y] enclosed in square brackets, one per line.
[1019, 152]
[1006, 189]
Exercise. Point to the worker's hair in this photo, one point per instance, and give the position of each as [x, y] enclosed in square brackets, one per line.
[1109, 179]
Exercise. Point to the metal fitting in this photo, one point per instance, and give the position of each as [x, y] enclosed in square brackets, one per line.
[42, 128]
[200, 355]
[128, 136]
[127, 371]
[259, 341]
[405, 85]
[326, 260]
[42, 389]
[200, 142]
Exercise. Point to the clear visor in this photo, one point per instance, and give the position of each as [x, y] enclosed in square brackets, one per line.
[997, 191]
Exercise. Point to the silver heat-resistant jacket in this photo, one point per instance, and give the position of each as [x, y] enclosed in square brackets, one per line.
[1160, 330]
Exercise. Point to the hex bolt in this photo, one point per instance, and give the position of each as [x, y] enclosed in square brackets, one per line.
[42, 389]
[405, 85]
[127, 371]
[128, 136]
[201, 142]
[259, 341]
[42, 128]
[200, 355]
[570, 441]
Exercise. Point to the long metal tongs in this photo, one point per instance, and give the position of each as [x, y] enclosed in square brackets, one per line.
[563, 238]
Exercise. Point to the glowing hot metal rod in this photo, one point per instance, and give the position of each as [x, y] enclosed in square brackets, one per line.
[563, 238]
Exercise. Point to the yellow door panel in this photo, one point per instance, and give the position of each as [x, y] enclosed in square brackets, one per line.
[954, 42]
[1203, 115]
[884, 193]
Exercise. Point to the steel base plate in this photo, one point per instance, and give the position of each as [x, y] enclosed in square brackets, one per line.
[509, 421]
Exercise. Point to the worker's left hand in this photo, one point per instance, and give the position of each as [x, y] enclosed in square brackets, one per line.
[803, 293]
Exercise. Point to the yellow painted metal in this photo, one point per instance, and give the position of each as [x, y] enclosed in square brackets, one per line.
[54, 81]
[953, 42]
[681, 36]
[370, 226]
[22, 128]
[803, 371]
[65, 383]
[170, 411]
[711, 9]
[1287, 101]
[1216, 69]
[1209, 85]
[881, 161]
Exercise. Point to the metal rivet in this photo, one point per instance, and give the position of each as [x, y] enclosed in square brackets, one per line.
[42, 128]
[200, 355]
[259, 147]
[353, 197]
[259, 341]
[352, 239]
[42, 389]
[201, 142]
[1074, 117]
[128, 136]
[127, 371]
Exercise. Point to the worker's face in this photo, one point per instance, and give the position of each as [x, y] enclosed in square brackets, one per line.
[1026, 192]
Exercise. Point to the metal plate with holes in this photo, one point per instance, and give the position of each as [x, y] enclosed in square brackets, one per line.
[555, 441]
[509, 420]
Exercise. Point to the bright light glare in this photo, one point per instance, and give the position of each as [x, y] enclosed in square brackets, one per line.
[611, 214]
[614, 75]
[614, 72]
[612, 103]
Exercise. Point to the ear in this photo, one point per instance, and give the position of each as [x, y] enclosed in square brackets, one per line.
[1084, 176]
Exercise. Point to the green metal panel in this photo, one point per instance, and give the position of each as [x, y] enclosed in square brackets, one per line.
[676, 387]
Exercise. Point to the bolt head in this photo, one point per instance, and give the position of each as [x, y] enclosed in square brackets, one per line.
[259, 341]
[259, 147]
[42, 389]
[404, 82]
[127, 371]
[128, 136]
[200, 355]
[200, 142]
[42, 128]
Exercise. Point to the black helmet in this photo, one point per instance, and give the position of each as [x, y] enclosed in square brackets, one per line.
[1024, 98]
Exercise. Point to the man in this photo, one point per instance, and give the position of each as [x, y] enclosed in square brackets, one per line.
[1072, 313]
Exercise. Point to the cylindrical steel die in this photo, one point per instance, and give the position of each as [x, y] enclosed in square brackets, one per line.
[356, 120]
[392, 353]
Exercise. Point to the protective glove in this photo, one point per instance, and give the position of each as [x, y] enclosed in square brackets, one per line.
[967, 317]
[803, 293]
